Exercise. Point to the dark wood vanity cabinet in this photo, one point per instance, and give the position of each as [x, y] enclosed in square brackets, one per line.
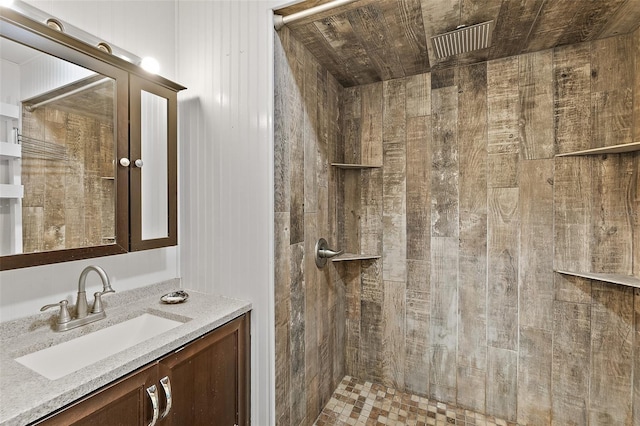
[209, 380]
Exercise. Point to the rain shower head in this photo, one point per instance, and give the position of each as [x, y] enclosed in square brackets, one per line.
[462, 40]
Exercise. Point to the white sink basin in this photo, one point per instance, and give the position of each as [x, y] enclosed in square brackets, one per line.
[59, 360]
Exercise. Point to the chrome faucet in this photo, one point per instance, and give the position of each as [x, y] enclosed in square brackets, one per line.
[65, 321]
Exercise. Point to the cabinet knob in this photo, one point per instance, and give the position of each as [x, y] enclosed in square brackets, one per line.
[124, 162]
[153, 394]
[138, 163]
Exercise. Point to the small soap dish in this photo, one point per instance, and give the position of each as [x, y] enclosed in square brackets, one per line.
[175, 297]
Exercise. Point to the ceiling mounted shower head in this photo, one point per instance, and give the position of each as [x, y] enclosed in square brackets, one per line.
[462, 40]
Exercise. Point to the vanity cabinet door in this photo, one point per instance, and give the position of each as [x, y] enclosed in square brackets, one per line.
[210, 379]
[122, 403]
[153, 165]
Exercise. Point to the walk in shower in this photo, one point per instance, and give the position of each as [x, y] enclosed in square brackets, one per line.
[441, 178]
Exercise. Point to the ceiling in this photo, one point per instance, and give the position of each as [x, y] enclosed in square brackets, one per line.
[374, 40]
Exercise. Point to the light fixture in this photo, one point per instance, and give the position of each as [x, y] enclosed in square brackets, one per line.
[150, 64]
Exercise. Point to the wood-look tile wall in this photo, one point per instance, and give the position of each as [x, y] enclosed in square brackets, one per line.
[470, 211]
[309, 302]
[464, 306]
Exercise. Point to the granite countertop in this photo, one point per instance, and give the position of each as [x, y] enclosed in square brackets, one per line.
[26, 396]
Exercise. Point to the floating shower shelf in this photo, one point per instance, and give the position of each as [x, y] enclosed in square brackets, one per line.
[626, 280]
[614, 149]
[356, 166]
[353, 256]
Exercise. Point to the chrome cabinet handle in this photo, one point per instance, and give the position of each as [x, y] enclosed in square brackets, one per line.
[138, 163]
[166, 385]
[153, 394]
[124, 162]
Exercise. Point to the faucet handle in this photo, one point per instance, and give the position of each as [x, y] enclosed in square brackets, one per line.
[97, 301]
[63, 316]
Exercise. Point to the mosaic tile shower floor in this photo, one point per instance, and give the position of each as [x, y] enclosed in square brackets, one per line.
[356, 402]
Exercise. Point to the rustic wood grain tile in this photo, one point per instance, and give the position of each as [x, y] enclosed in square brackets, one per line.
[295, 135]
[435, 15]
[280, 141]
[418, 95]
[503, 266]
[502, 382]
[472, 316]
[611, 387]
[636, 87]
[350, 277]
[612, 91]
[550, 24]
[394, 239]
[311, 134]
[404, 20]
[444, 162]
[503, 122]
[536, 292]
[282, 314]
[385, 60]
[339, 32]
[298, 400]
[573, 206]
[371, 124]
[312, 306]
[418, 187]
[443, 321]
[570, 363]
[513, 27]
[572, 95]
[371, 222]
[636, 358]
[534, 376]
[536, 105]
[416, 357]
[586, 23]
[371, 326]
[612, 215]
[393, 344]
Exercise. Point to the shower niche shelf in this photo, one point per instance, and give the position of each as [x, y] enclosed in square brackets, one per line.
[346, 166]
[620, 279]
[623, 150]
[614, 149]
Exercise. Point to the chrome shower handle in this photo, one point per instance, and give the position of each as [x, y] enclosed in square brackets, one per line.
[328, 253]
[323, 252]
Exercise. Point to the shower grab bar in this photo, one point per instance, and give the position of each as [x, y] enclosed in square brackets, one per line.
[323, 252]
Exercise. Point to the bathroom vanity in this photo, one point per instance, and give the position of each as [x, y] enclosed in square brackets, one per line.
[204, 361]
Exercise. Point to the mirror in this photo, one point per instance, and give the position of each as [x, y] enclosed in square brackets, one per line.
[78, 121]
[154, 179]
[60, 128]
[63, 123]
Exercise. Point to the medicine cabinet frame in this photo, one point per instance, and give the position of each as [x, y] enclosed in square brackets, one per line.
[128, 77]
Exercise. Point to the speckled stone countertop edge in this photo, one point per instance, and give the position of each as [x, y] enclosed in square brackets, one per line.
[25, 396]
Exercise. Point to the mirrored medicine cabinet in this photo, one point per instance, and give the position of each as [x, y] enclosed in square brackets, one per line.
[88, 154]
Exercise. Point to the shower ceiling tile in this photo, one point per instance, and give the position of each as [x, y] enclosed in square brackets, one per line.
[375, 40]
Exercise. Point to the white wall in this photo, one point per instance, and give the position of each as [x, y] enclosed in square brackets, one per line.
[225, 59]
[142, 30]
